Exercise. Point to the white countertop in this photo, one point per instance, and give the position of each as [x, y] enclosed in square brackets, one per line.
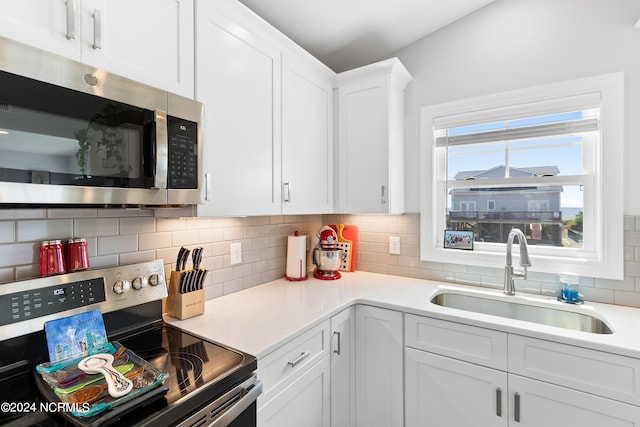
[260, 319]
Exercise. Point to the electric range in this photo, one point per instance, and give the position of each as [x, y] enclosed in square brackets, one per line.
[209, 384]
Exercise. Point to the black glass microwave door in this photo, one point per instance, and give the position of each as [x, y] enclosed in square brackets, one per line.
[54, 135]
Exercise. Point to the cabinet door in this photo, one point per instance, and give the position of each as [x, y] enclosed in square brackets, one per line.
[305, 402]
[238, 80]
[363, 131]
[542, 404]
[45, 24]
[444, 392]
[307, 151]
[343, 362]
[379, 367]
[151, 41]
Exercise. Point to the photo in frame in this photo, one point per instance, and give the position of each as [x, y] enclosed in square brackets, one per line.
[458, 239]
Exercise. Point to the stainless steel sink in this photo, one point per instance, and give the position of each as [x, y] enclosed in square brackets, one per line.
[542, 312]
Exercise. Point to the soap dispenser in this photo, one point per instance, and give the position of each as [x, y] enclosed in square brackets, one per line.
[569, 292]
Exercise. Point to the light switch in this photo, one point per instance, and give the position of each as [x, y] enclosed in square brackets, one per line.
[236, 253]
[394, 245]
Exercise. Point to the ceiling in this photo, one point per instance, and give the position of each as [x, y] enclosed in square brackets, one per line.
[346, 34]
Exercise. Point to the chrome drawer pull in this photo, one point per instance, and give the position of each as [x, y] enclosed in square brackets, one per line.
[299, 359]
[337, 350]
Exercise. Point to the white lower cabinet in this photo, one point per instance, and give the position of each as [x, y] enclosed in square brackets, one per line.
[458, 387]
[539, 404]
[379, 367]
[343, 362]
[296, 378]
[304, 402]
[442, 392]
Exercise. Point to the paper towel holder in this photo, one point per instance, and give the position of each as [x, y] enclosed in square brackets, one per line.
[296, 269]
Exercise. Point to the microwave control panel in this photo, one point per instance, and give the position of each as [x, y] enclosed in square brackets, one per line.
[182, 170]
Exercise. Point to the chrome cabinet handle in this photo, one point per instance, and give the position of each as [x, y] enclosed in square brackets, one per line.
[97, 29]
[498, 402]
[207, 187]
[71, 19]
[516, 409]
[337, 350]
[287, 192]
[383, 189]
[299, 359]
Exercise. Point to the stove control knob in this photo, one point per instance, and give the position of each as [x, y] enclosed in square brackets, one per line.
[121, 286]
[154, 280]
[138, 283]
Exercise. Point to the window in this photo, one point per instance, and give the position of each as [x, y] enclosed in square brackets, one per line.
[538, 159]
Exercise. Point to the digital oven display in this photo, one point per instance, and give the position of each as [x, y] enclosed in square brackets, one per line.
[25, 305]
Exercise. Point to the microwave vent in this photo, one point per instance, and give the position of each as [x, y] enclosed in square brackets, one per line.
[5, 107]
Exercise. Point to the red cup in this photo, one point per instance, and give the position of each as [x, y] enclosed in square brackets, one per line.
[77, 255]
[51, 258]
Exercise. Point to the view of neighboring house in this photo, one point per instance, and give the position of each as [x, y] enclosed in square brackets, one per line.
[493, 212]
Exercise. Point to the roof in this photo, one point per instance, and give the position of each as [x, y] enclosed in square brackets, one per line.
[499, 172]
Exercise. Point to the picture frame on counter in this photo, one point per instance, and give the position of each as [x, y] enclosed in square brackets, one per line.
[458, 239]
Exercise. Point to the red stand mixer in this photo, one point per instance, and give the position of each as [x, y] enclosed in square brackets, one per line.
[327, 256]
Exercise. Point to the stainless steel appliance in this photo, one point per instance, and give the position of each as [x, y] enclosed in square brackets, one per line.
[209, 384]
[75, 135]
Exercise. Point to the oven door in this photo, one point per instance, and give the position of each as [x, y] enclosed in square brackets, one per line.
[236, 408]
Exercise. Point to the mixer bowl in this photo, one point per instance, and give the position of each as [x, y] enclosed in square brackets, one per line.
[328, 259]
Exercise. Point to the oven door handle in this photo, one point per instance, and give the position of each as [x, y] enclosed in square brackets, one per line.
[224, 414]
[228, 407]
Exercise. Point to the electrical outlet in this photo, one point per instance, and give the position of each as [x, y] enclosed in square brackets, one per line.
[394, 245]
[236, 253]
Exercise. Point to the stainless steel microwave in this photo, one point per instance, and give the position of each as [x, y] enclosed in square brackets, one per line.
[71, 134]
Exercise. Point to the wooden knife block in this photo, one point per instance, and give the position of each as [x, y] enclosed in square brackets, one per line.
[183, 306]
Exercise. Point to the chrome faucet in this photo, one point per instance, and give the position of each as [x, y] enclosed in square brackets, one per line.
[509, 274]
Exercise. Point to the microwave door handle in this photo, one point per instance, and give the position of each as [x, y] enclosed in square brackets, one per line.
[161, 150]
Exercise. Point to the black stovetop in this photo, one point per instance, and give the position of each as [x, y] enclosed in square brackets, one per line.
[199, 371]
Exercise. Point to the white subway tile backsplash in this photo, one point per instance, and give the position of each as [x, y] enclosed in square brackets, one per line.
[94, 227]
[137, 225]
[19, 254]
[23, 214]
[119, 236]
[7, 232]
[135, 257]
[154, 241]
[185, 238]
[38, 230]
[117, 244]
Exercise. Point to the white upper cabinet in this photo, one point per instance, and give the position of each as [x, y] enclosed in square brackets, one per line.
[307, 143]
[145, 40]
[371, 138]
[238, 80]
[268, 137]
[51, 25]
[150, 41]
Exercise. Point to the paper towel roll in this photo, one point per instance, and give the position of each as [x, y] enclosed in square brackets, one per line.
[296, 258]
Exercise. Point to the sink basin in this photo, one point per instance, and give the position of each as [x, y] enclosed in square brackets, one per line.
[550, 313]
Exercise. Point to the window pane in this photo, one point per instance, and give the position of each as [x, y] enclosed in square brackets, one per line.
[554, 156]
[562, 156]
[548, 215]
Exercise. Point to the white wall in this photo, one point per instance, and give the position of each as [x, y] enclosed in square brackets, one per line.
[513, 44]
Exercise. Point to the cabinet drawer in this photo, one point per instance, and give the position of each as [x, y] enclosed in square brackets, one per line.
[469, 343]
[600, 373]
[277, 369]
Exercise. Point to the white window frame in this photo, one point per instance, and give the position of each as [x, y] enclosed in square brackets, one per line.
[604, 256]
[489, 208]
